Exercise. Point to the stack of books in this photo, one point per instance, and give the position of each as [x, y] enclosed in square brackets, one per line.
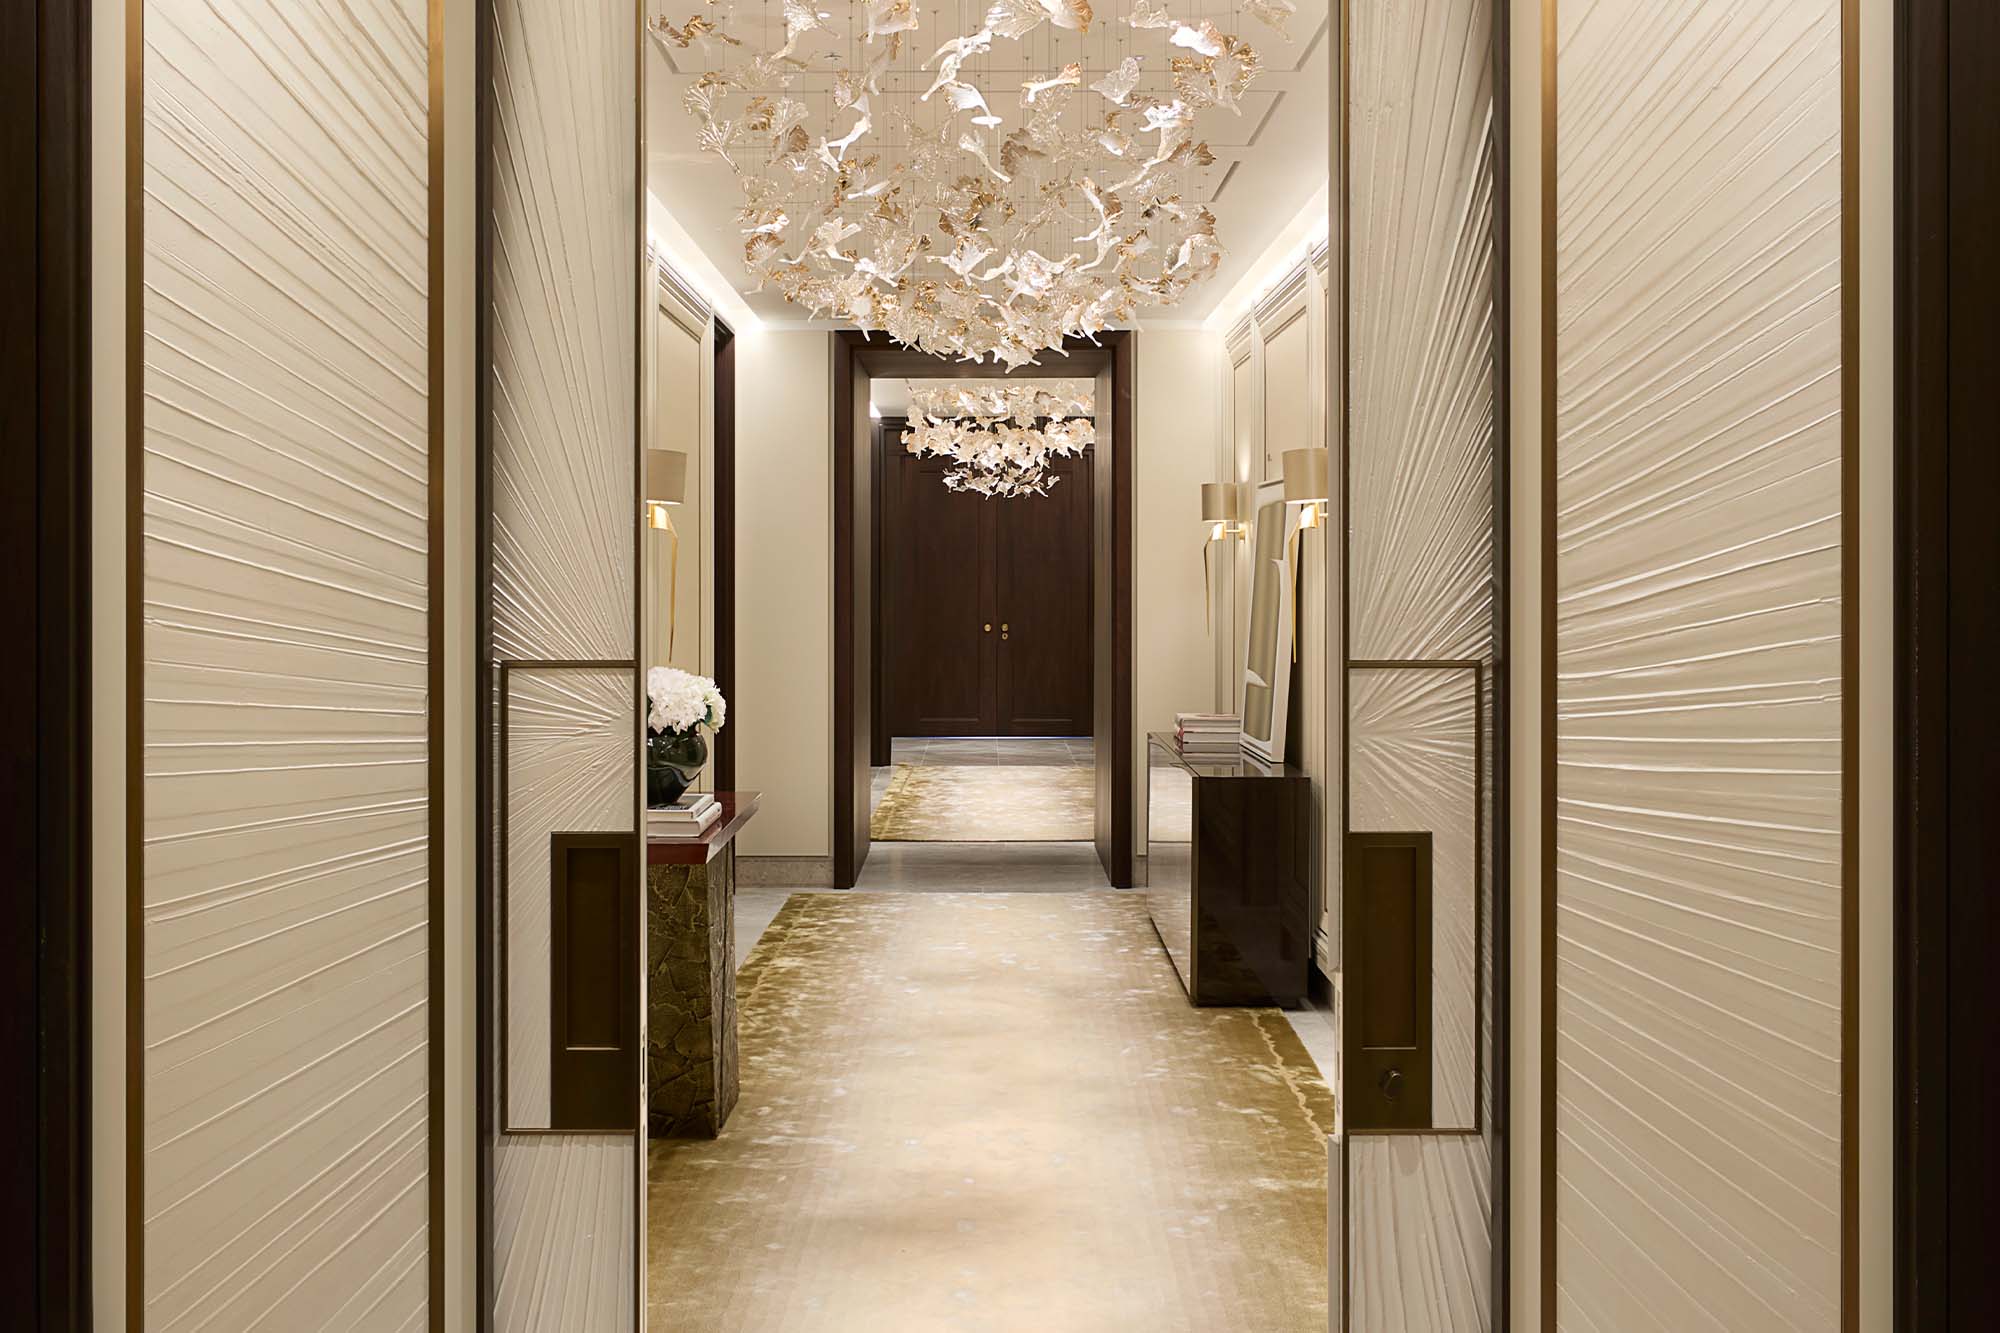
[1209, 735]
[685, 818]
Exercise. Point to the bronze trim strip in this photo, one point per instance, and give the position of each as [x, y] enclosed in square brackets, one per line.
[1850, 667]
[1339, 194]
[640, 312]
[437, 1127]
[1546, 851]
[486, 1115]
[135, 659]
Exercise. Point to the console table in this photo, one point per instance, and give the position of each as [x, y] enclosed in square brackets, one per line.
[1228, 867]
[691, 1066]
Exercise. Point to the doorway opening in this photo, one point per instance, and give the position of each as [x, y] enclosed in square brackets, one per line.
[981, 676]
[983, 683]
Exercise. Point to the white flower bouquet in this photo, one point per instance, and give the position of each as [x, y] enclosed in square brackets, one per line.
[678, 701]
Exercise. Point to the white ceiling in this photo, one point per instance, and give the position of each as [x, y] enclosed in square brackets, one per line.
[1269, 161]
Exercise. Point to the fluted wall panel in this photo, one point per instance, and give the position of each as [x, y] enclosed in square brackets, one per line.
[1697, 510]
[564, 1233]
[1421, 1247]
[1420, 444]
[1420, 330]
[282, 983]
[565, 296]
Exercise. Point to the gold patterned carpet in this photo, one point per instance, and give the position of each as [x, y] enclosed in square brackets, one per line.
[987, 803]
[994, 1112]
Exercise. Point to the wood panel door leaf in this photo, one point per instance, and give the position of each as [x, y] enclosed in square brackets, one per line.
[987, 605]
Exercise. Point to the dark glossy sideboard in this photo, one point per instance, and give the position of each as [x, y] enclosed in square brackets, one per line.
[1228, 873]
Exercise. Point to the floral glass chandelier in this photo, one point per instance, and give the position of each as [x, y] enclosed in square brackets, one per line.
[942, 198]
[1000, 436]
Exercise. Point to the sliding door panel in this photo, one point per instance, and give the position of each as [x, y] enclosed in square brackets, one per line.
[284, 655]
[1697, 531]
[560, 424]
[1421, 637]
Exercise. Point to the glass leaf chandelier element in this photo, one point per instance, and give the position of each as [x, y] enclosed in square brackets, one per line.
[999, 436]
[943, 199]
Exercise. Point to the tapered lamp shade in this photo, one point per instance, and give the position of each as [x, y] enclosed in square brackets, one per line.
[1305, 476]
[666, 476]
[1220, 502]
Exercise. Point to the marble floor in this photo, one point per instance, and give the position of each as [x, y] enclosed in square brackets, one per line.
[967, 1109]
[948, 752]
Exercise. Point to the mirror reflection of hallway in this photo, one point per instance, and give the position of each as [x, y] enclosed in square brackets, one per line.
[982, 663]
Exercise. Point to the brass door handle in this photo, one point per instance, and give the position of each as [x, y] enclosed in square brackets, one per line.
[989, 627]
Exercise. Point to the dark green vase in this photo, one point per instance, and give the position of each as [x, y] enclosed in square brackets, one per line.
[673, 758]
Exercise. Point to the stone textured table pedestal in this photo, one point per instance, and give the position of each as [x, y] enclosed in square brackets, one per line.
[690, 997]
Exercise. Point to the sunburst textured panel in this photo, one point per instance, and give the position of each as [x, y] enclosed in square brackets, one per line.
[570, 742]
[565, 335]
[1412, 766]
[1698, 525]
[284, 878]
[1421, 513]
[565, 1235]
[1420, 1253]
[1420, 333]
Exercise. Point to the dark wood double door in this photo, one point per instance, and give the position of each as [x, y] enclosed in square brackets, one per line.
[985, 603]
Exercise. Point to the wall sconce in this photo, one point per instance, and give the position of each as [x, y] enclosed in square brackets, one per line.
[666, 484]
[1305, 487]
[1305, 484]
[1222, 511]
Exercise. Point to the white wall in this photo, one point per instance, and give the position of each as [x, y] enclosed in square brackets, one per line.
[1174, 453]
[783, 709]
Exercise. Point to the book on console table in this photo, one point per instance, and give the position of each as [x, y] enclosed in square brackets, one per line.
[685, 818]
[1208, 735]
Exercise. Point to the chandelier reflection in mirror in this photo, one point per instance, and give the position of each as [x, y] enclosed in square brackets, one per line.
[1024, 181]
[1000, 437]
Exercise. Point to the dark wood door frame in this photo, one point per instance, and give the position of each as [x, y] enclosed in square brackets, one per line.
[724, 530]
[857, 359]
[45, 542]
[1947, 857]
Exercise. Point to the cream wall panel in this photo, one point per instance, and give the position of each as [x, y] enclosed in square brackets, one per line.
[1698, 621]
[1174, 448]
[783, 711]
[565, 296]
[284, 875]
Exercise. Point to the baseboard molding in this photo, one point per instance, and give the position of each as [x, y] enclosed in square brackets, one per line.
[792, 872]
